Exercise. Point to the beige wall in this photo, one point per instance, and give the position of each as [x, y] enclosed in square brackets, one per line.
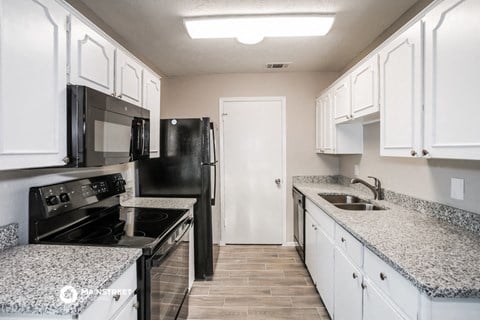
[425, 179]
[196, 96]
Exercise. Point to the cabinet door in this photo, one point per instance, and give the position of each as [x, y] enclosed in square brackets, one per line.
[311, 246]
[33, 60]
[452, 97]
[329, 124]
[319, 123]
[401, 95]
[376, 306]
[348, 289]
[342, 100]
[325, 275]
[128, 78]
[92, 58]
[365, 88]
[151, 101]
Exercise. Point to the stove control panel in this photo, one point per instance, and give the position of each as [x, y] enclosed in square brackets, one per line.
[63, 197]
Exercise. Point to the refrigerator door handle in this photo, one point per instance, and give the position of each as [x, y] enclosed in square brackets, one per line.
[214, 164]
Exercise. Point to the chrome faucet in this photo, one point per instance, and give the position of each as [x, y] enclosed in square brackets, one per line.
[376, 189]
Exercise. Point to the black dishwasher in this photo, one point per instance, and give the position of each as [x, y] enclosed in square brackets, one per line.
[299, 222]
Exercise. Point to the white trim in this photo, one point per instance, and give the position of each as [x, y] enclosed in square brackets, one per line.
[283, 101]
[290, 244]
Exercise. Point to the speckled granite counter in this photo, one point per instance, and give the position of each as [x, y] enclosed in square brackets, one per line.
[163, 203]
[33, 275]
[441, 259]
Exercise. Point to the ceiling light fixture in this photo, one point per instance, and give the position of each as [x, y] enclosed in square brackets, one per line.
[253, 29]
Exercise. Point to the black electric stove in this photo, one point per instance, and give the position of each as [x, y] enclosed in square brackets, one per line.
[88, 212]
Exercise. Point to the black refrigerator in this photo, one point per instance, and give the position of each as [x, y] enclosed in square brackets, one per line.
[186, 168]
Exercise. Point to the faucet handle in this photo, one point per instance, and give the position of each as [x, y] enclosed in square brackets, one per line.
[377, 181]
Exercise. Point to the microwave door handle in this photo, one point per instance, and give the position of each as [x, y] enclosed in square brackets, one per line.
[143, 138]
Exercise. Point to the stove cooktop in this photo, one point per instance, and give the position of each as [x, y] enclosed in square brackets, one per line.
[122, 226]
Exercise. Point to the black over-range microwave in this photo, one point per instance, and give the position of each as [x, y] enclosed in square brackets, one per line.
[104, 130]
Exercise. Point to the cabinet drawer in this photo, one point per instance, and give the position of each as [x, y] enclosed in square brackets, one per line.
[349, 245]
[376, 306]
[324, 221]
[107, 305]
[394, 285]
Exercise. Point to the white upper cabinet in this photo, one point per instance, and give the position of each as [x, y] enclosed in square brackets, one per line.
[92, 58]
[342, 100]
[33, 48]
[151, 101]
[318, 125]
[401, 94]
[364, 80]
[452, 68]
[128, 78]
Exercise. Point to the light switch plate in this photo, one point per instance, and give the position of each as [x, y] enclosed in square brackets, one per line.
[457, 189]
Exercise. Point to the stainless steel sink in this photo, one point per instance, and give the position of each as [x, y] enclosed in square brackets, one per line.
[341, 198]
[349, 202]
[359, 206]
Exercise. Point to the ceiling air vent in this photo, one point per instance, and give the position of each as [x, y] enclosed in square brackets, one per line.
[277, 65]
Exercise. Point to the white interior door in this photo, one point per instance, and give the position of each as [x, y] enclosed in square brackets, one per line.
[253, 170]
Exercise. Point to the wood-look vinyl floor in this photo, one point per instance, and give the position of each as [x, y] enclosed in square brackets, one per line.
[257, 282]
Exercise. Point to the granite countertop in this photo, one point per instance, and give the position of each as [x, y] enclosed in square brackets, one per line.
[160, 203]
[33, 275]
[440, 259]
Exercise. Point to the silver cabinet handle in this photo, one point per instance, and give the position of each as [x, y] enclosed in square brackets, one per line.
[116, 296]
[413, 153]
[383, 276]
[278, 181]
[136, 305]
[364, 286]
[425, 153]
[343, 239]
[354, 276]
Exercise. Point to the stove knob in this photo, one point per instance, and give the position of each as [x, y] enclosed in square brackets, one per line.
[64, 197]
[52, 200]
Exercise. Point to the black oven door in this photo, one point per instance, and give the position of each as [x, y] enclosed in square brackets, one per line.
[169, 277]
[108, 137]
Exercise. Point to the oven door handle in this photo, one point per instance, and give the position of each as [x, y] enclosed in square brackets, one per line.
[157, 259]
[189, 223]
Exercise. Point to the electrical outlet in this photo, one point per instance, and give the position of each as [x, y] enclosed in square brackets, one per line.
[356, 170]
[457, 189]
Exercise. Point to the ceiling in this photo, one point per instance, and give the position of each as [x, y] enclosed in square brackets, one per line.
[155, 29]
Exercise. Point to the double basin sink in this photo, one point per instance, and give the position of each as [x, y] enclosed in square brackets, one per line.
[349, 202]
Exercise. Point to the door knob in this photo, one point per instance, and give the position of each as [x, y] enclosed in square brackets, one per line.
[278, 181]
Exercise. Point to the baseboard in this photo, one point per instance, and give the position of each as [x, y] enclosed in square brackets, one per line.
[290, 244]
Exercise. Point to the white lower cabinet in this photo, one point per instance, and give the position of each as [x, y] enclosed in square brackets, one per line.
[355, 284]
[311, 246]
[325, 268]
[348, 289]
[119, 297]
[376, 306]
[319, 254]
